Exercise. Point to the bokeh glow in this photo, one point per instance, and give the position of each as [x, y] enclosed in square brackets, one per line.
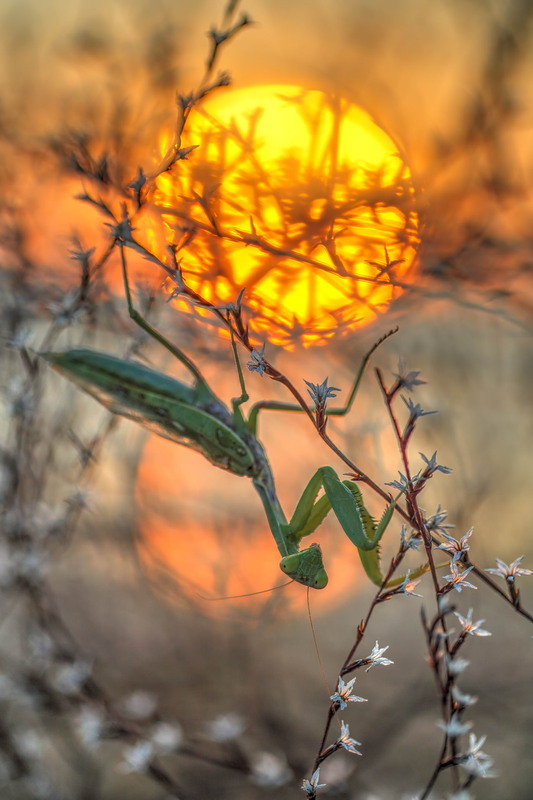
[283, 176]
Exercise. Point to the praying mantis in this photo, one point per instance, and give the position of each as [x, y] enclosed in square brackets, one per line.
[193, 416]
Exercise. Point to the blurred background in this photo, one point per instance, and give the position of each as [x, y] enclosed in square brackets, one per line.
[112, 539]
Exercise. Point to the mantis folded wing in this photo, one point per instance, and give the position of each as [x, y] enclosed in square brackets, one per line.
[189, 415]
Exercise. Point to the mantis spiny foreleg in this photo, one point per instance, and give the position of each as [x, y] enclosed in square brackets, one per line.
[346, 500]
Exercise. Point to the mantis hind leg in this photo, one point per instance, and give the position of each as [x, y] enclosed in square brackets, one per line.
[273, 405]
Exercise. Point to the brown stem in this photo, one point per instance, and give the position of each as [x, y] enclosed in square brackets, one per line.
[412, 503]
[346, 667]
[441, 764]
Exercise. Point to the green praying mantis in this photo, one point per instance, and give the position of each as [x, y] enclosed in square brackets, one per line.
[192, 415]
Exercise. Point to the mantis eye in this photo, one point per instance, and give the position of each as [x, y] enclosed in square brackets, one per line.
[321, 580]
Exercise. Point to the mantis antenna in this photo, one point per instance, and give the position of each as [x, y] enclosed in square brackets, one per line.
[248, 594]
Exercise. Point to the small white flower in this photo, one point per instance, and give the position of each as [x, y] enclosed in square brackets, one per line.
[456, 665]
[139, 704]
[78, 500]
[66, 311]
[70, 678]
[138, 757]
[458, 579]
[343, 695]
[269, 770]
[376, 657]
[321, 392]
[411, 542]
[258, 363]
[481, 768]
[437, 522]
[225, 727]
[432, 466]
[407, 379]
[475, 761]
[510, 571]
[408, 587]
[312, 786]
[415, 411]
[472, 628]
[454, 727]
[462, 699]
[166, 737]
[346, 741]
[28, 566]
[91, 726]
[455, 546]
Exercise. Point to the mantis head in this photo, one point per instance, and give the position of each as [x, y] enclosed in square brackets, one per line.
[306, 567]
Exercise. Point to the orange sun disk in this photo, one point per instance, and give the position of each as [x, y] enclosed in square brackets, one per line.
[298, 197]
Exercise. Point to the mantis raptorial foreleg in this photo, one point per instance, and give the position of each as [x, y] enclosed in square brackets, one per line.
[346, 500]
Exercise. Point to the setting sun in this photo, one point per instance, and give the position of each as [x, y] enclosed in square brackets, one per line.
[296, 196]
